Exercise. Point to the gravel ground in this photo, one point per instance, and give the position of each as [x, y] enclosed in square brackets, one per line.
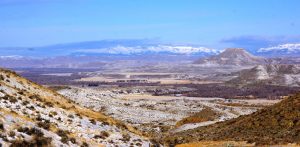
[150, 112]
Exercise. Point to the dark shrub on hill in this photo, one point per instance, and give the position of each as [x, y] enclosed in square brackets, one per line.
[277, 124]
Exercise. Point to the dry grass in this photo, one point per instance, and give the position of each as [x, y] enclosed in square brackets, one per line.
[205, 115]
[7, 112]
[58, 87]
[273, 125]
[227, 144]
[216, 144]
[47, 95]
[239, 105]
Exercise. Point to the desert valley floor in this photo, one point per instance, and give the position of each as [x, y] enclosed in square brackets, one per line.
[153, 105]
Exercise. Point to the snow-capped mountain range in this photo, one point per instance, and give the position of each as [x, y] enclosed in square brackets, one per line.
[173, 49]
[73, 54]
[290, 47]
[138, 47]
[281, 50]
[109, 47]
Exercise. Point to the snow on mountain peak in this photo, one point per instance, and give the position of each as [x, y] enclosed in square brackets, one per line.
[154, 49]
[11, 57]
[290, 47]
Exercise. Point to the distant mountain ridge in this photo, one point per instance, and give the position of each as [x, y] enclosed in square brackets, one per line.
[137, 47]
[282, 50]
[232, 56]
[109, 47]
[76, 54]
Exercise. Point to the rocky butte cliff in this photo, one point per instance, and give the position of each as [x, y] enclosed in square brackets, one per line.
[274, 74]
[232, 57]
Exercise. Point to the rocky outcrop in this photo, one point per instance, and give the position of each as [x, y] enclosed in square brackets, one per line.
[233, 57]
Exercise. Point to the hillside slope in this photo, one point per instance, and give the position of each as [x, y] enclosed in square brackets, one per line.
[275, 74]
[33, 115]
[277, 124]
[233, 57]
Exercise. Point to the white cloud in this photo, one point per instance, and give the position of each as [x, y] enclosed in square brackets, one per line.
[290, 47]
[154, 49]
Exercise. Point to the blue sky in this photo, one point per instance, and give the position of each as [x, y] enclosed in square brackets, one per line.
[211, 23]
